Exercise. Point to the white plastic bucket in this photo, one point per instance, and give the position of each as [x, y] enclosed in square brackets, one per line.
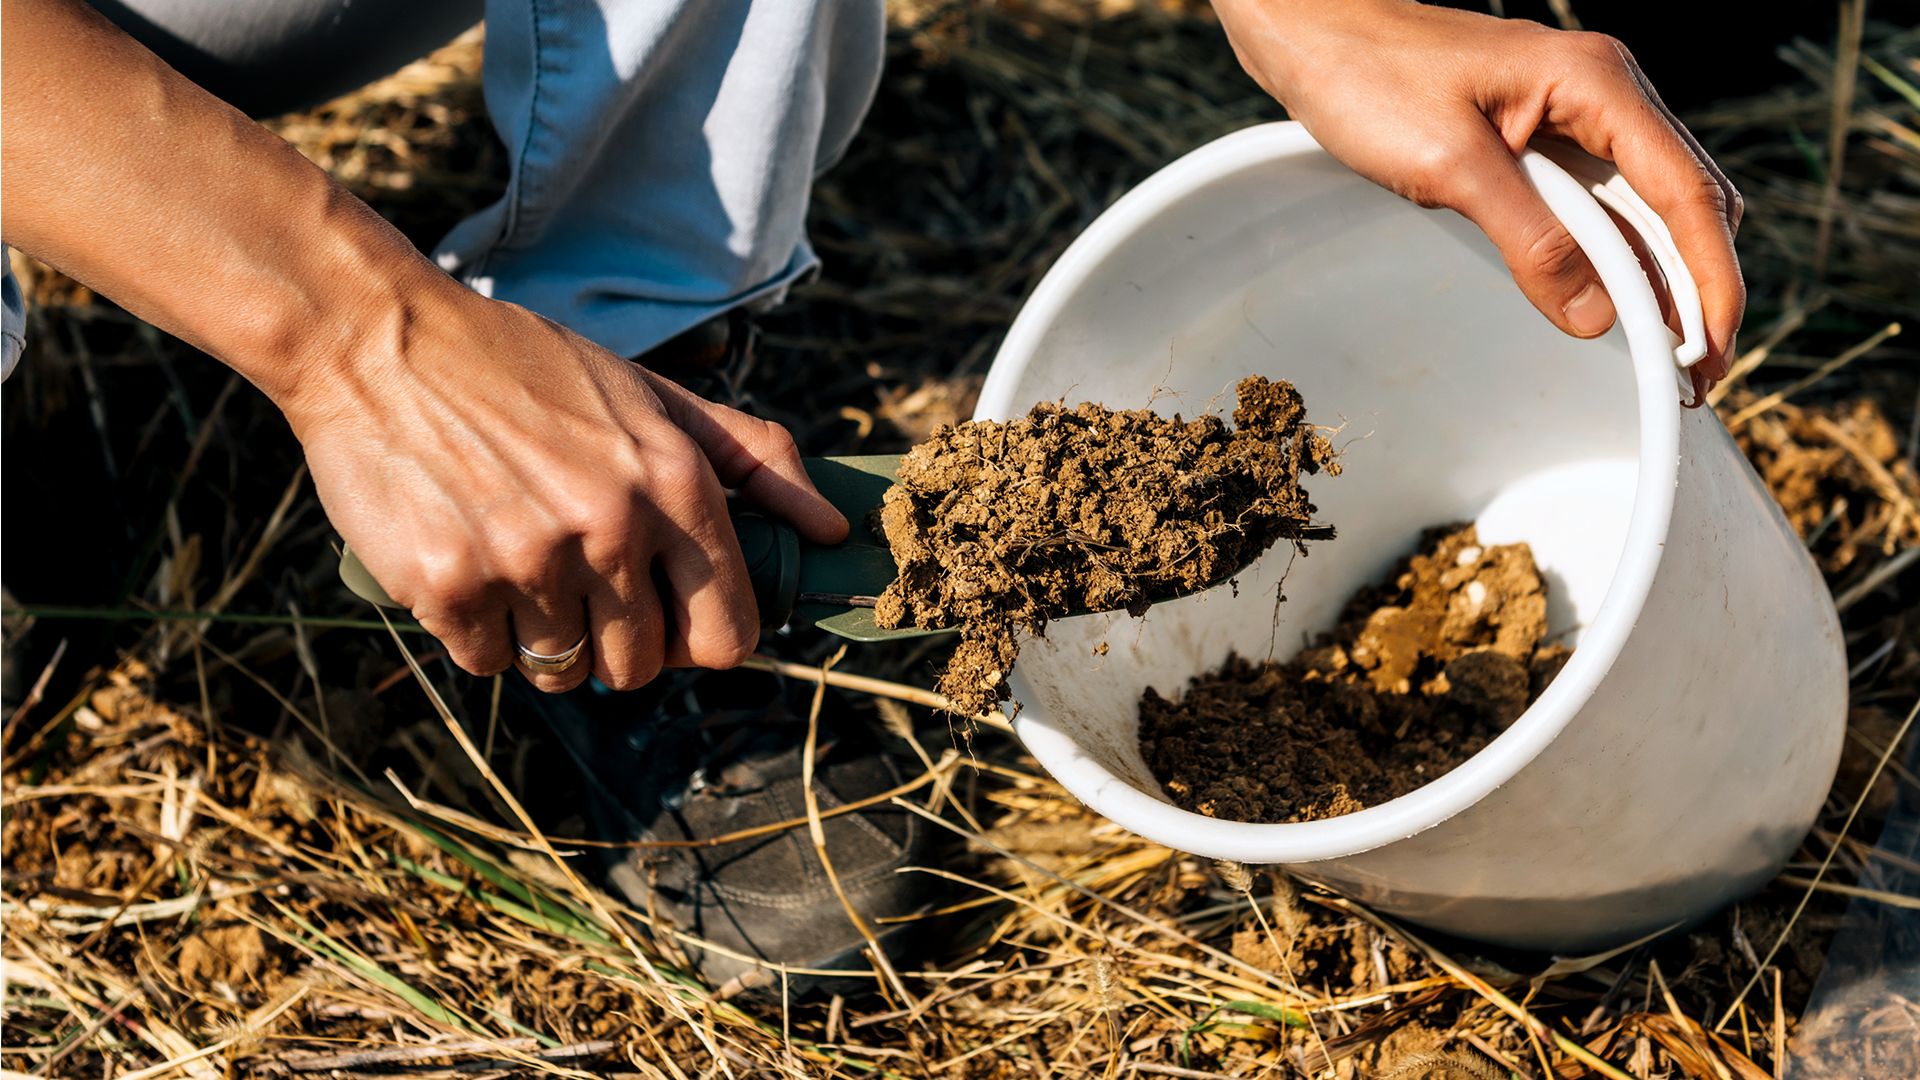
[1683, 752]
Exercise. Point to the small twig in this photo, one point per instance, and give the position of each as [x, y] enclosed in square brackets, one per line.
[253, 1028]
[816, 831]
[39, 688]
[510, 837]
[1826, 369]
[126, 902]
[671, 999]
[125, 614]
[1750, 360]
[1879, 576]
[1878, 896]
[1174, 1070]
[1532, 1024]
[513, 1049]
[867, 684]
[1846, 72]
[1103, 900]
[1686, 1024]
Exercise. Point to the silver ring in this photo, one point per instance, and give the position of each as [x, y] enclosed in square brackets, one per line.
[550, 663]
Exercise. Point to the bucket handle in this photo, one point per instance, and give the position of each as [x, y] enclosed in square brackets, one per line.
[1604, 182]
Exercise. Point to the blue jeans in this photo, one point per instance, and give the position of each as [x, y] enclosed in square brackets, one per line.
[661, 151]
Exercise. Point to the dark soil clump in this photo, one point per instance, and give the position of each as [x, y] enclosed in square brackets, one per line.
[999, 527]
[1422, 671]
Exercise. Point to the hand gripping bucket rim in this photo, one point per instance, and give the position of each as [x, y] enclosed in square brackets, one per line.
[1574, 187]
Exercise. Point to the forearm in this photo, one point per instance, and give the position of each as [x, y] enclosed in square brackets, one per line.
[130, 178]
[1278, 40]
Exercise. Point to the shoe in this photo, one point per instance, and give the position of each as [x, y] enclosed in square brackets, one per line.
[706, 755]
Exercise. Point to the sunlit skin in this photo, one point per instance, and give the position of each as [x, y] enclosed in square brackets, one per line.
[1433, 104]
[508, 480]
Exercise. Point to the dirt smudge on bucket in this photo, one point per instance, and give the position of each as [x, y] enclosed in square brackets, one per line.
[999, 527]
[1423, 669]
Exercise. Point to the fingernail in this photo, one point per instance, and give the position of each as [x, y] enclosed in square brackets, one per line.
[1591, 312]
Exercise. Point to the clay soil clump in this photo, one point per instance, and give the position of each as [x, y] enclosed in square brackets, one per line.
[998, 527]
[1422, 671]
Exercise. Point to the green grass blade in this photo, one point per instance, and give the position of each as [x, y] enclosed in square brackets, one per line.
[319, 941]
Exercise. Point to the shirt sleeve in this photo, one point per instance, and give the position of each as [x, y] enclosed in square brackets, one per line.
[14, 320]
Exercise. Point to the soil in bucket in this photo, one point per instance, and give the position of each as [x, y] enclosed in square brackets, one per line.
[998, 527]
[1423, 669]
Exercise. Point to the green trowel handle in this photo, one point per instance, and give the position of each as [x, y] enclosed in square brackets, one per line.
[771, 550]
[772, 553]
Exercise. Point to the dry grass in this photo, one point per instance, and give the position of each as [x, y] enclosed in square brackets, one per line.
[212, 867]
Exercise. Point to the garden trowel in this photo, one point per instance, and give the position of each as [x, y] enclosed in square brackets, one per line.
[832, 586]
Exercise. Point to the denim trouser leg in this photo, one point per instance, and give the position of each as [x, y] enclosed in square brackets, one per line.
[661, 151]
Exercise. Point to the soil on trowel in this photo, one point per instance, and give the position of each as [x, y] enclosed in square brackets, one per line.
[998, 527]
[1423, 670]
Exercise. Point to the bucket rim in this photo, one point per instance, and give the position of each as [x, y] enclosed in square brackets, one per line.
[1650, 345]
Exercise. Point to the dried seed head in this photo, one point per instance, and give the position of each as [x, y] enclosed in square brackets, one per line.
[894, 717]
[1236, 875]
[1444, 1065]
[1289, 916]
[1106, 983]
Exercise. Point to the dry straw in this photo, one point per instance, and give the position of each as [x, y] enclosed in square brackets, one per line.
[208, 873]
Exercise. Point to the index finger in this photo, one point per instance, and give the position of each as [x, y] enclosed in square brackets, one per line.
[756, 456]
[1622, 121]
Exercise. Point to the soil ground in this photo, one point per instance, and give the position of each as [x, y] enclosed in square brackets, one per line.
[999, 527]
[1424, 669]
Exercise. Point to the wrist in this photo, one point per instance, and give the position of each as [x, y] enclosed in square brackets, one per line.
[339, 314]
[1281, 42]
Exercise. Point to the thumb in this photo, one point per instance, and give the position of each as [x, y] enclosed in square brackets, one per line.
[1546, 262]
[755, 456]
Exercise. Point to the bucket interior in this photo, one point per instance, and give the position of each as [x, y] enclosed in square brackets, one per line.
[1455, 401]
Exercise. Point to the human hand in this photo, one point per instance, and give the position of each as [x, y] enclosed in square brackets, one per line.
[506, 480]
[1434, 104]
[498, 475]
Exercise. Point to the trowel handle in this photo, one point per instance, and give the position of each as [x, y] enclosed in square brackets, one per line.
[771, 550]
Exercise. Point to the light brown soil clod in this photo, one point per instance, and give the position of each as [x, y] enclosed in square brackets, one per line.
[1423, 670]
[999, 527]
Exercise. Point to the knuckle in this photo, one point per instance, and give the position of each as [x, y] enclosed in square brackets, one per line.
[726, 650]
[776, 448]
[1435, 172]
[757, 443]
[447, 579]
[604, 520]
[631, 672]
[524, 557]
[619, 678]
[468, 645]
[479, 660]
[1599, 48]
[627, 647]
[776, 441]
[679, 473]
[628, 676]
[1551, 249]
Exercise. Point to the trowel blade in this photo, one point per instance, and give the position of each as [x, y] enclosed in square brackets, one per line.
[862, 566]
